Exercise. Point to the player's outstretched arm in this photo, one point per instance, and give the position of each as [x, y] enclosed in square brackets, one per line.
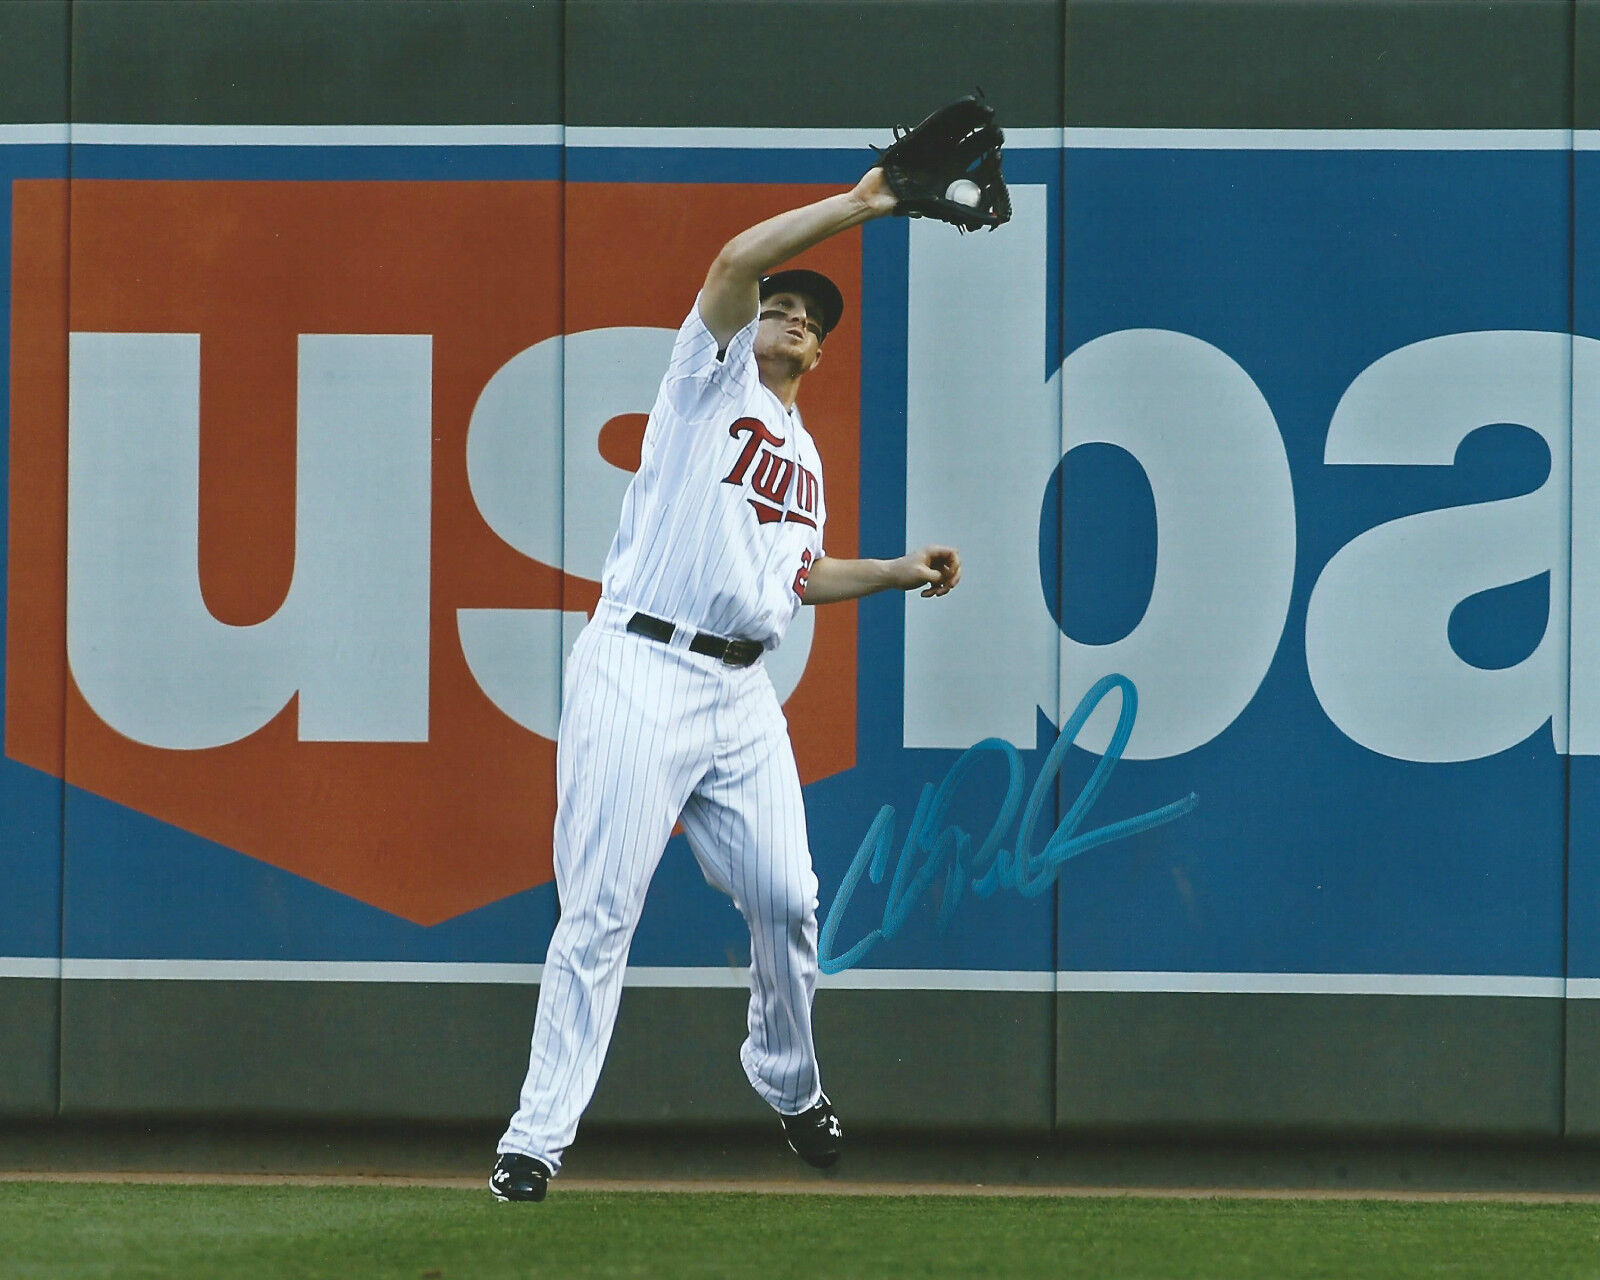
[935, 569]
[731, 295]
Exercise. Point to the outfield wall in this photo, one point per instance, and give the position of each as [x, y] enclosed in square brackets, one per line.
[331, 329]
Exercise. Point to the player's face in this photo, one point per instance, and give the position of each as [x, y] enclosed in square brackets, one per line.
[791, 326]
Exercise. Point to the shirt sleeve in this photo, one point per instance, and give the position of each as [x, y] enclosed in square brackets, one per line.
[697, 379]
[822, 509]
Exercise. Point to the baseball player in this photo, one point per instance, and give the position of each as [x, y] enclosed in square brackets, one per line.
[668, 710]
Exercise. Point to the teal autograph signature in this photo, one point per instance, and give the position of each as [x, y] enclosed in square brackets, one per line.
[948, 850]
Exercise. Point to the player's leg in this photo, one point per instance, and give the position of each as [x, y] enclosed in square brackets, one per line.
[635, 729]
[747, 825]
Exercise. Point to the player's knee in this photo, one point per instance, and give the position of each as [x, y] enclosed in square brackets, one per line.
[592, 951]
[601, 923]
[794, 909]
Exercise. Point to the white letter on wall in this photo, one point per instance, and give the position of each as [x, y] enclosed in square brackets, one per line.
[352, 635]
[1225, 533]
[1584, 726]
[983, 434]
[1377, 627]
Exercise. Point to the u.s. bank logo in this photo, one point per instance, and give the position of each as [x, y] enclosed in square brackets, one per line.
[311, 485]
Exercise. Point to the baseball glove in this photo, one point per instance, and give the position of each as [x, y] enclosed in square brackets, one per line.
[948, 167]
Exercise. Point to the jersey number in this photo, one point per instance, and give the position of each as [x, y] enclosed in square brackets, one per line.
[803, 573]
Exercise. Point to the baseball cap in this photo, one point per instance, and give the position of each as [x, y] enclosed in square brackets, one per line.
[814, 285]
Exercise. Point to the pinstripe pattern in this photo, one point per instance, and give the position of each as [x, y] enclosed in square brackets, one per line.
[689, 547]
[727, 499]
[747, 826]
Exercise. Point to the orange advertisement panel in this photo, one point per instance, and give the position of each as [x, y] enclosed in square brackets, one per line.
[471, 274]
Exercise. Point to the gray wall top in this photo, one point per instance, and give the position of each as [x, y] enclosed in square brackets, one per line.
[317, 62]
[33, 61]
[817, 63]
[1320, 64]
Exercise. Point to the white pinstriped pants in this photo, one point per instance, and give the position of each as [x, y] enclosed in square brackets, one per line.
[651, 732]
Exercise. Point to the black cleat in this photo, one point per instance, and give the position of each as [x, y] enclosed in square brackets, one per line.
[518, 1177]
[814, 1135]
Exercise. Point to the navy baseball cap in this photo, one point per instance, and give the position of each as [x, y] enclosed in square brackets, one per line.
[814, 285]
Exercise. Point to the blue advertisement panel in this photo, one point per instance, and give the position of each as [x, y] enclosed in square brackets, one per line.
[1353, 376]
[1583, 919]
[1259, 458]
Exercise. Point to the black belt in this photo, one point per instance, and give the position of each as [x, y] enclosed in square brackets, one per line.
[736, 653]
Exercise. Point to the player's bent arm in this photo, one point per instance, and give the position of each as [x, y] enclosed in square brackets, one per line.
[730, 297]
[935, 569]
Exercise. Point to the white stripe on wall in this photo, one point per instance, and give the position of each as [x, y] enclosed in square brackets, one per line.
[29, 967]
[851, 980]
[23, 134]
[297, 971]
[1325, 139]
[314, 135]
[385, 135]
[936, 980]
[419, 972]
[735, 138]
[1362, 984]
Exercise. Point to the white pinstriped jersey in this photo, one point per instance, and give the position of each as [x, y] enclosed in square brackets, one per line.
[726, 510]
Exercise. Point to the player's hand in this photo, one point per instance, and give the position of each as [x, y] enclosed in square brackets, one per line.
[874, 193]
[935, 569]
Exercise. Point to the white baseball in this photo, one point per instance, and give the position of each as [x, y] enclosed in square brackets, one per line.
[963, 191]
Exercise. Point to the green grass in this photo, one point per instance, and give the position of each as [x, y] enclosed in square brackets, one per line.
[53, 1230]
